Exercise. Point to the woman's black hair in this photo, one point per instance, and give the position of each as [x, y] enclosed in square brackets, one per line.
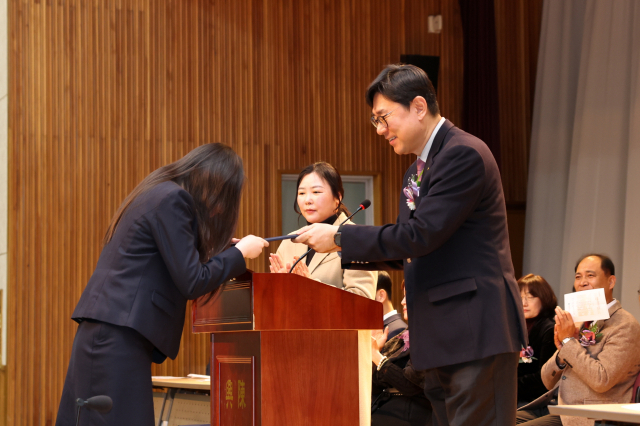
[329, 174]
[213, 175]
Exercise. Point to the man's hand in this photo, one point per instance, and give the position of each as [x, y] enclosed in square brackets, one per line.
[565, 326]
[556, 342]
[319, 237]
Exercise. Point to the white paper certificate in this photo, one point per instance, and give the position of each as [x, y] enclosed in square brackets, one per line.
[587, 305]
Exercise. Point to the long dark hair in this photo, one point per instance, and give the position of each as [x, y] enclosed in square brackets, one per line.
[328, 174]
[214, 177]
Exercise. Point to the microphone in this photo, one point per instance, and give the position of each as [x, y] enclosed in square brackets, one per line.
[363, 206]
[101, 404]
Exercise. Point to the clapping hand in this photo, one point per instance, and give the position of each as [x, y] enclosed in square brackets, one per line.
[378, 339]
[301, 268]
[277, 265]
[565, 327]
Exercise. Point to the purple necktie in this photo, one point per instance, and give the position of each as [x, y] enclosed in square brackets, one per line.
[420, 169]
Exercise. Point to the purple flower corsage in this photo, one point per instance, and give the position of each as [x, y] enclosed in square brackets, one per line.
[526, 355]
[590, 336]
[405, 337]
[411, 191]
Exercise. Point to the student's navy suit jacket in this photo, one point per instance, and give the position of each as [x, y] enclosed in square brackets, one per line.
[151, 267]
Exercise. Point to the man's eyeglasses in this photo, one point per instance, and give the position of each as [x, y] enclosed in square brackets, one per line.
[380, 120]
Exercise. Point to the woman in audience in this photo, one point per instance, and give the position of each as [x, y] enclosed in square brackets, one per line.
[539, 303]
[398, 389]
[319, 200]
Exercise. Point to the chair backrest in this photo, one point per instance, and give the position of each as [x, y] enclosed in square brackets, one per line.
[635, 396]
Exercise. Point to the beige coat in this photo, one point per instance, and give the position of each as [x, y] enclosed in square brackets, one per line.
[327, 268]
[600, 374]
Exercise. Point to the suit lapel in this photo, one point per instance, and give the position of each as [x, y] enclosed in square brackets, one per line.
[438, 144]
[612, 310]
[318, 258]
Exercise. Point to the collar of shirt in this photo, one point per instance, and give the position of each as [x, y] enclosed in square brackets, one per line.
[427, 147]
[610, 305]
[387, 315]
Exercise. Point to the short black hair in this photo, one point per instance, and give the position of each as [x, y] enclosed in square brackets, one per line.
[384, 283]
[402, 83]
[540, 288]
[605, 263]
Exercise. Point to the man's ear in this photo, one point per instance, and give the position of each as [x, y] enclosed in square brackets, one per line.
[381, 296]
[420, 105]
[612, 282]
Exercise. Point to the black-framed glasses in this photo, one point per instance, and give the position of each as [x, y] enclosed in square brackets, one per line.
[378, 120]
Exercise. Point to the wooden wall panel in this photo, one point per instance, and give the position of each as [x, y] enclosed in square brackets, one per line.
[102, 93]
[517, 35]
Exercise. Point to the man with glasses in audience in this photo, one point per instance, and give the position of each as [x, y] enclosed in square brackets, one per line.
[465, 315]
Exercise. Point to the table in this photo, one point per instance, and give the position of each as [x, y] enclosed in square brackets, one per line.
[173, 385]
[607, 412]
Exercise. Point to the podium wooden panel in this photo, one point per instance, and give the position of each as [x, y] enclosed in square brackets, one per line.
[284, 350]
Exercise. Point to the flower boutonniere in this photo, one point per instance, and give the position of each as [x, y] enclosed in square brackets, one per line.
[411, 191]
[526, 355]
[405, 336]
[590, 336]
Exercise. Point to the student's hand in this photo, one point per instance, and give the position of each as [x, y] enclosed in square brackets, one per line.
[251, 246]
[301, 268]
[277, 265]
[379, 337]
[319, 237]
[565, 326]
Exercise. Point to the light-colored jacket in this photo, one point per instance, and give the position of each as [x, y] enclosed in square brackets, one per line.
[326, 267]
[600, 374]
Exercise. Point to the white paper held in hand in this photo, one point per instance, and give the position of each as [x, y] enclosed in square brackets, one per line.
[587, 305]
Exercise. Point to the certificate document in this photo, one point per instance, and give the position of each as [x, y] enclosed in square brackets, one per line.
[587, 305]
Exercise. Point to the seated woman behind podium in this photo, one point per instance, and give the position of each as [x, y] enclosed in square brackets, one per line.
[167, 243]
[398, 389]
[319, 200]
[539, 303]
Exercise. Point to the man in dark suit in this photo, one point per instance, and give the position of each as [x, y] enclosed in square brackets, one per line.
[451, 238]
[392, 319]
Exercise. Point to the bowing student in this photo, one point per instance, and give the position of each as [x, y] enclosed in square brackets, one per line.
[319, 200]
[167, 243]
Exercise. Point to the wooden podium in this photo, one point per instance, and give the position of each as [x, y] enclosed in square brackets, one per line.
[285, 350]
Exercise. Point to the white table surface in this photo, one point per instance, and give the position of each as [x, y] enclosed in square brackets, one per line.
[629, 413]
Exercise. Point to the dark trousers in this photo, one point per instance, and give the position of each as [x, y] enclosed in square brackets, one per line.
[537, 418]
[480, 393]
[400, 410]
[108, 360]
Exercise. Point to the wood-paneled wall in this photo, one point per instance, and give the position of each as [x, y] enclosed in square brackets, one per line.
[517, 25]
[103, 92]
